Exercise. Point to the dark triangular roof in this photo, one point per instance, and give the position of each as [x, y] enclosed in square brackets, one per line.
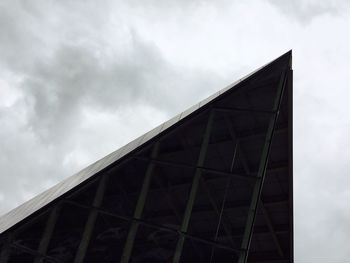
[26, 209]
[253, 93]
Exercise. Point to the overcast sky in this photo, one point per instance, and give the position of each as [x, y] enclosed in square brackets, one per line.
[79, 79]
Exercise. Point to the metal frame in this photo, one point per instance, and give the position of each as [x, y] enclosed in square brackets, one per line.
[45, 239]
[139, 207]
[262, 172]
[90, 223]
[194, 188]
[257, 179]
[290, 162]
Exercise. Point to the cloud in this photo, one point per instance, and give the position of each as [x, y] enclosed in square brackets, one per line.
[74, 77]
[305, 11]
[56, 83]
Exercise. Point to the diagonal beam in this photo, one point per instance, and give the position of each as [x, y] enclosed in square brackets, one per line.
[166, 191]
[90, 223]
[211, 198]
[222, 213]
[10, 241]
[172, 204]
[129, 243]
[186, 144]
[46, 237]
[194, 188]
[265, 212]
[261, 172]
[217, 210]
[234, 138]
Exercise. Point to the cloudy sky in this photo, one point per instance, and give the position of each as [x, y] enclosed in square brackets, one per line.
[78, 79]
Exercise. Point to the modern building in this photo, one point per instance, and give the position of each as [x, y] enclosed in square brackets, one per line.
[212, 184]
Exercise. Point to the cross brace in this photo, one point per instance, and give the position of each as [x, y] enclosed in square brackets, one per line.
[194, 188]
[261, 173]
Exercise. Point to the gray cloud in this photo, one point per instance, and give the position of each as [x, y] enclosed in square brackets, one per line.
[58, 88]
[63, 79]
[59, 79]
[306, 10]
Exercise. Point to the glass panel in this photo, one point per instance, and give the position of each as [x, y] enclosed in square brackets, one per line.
[220, 210]
[195, 251]
[258, 95]
[18, 255]
[123, 187]
[30, 235]
[85, 194]
[167, 196]
[67, 233]
[108, 238]
[183, 145]
[153, 245]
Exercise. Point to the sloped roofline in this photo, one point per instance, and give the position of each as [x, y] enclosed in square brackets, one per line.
[37, 203]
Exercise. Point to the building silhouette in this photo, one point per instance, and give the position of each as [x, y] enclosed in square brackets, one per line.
[212, 184]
